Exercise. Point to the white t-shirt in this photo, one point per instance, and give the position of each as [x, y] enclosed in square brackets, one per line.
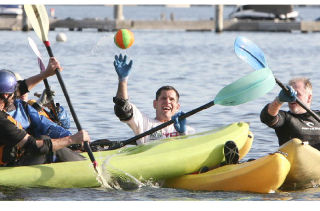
[140, 123]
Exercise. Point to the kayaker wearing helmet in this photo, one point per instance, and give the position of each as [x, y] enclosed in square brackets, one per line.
[17, 147]
[296, 123]
[45, 101]
[166, 105]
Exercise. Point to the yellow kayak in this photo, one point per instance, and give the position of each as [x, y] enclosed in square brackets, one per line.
[305, 165]
[264, 175]
[246, 148]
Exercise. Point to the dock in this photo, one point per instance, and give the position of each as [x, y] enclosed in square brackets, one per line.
[100, 25]
[218, 24]
[11, 24]
[197, 25]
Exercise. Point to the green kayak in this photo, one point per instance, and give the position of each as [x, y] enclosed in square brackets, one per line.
[155, 161]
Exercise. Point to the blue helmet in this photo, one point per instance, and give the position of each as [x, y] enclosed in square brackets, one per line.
[8, 81]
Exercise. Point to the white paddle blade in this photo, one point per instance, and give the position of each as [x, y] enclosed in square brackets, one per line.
[38, 17]
[37, 52]
[41, 65]
[34, 47]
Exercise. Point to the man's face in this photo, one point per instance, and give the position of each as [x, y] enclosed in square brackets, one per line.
[10, 99]
[304, 97]
[166, 105]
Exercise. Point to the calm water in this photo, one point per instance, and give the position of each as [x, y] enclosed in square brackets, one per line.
[198, 64]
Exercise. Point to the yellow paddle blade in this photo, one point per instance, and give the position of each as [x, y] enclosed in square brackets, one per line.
[38, 17]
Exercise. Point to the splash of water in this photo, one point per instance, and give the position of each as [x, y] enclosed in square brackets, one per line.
[124, 181]
[102, 180]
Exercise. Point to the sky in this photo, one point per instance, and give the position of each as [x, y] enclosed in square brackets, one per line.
[127, 2]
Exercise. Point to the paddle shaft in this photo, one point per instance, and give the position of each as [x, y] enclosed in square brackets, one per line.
[73, 113]
[38, 17]
[299, 102]
[45, 81]
[163, 125]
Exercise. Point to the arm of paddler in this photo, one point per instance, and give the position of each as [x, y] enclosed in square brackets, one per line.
[122, 92]
[270, 114]
[122, 108]
[52, 66]
[272, 118]
[46, 145]
[123, 69]
[274, 107]
[284, 96]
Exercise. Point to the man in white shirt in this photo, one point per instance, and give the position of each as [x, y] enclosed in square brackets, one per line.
[166, 105]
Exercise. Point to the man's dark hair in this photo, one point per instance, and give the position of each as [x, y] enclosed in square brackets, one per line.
[166, 88]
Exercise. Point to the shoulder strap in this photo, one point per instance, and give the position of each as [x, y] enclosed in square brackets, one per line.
[25, 106]
[3, 114]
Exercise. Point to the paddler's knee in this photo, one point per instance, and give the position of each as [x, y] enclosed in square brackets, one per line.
[66, 154]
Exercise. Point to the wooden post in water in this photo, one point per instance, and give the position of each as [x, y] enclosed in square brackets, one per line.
[219, 18]
[118, 12]
[24, 24]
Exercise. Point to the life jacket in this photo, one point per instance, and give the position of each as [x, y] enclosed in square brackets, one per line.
[40, 111]
[15, 152]
[28, 118]
[23, 116]
[14, 121]
[36, 125]
[43, 112]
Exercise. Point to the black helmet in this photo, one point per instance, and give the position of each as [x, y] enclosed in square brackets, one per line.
[8, 81]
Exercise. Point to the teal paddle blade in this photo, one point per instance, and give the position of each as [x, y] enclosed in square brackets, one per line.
[247, 88]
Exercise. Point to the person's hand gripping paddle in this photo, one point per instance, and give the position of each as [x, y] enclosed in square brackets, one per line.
[38, 17]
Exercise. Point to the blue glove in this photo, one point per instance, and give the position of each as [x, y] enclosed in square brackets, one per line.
[180, 126]
[291, 96]
[121, 67]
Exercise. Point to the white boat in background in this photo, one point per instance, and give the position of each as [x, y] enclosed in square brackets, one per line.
[178, 5]
[264, 12]
[10, 10]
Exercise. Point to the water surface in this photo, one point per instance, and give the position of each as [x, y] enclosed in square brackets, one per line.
[198, 64]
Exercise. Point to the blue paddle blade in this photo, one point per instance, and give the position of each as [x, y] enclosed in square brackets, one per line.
[250, 53]
[247, 88]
